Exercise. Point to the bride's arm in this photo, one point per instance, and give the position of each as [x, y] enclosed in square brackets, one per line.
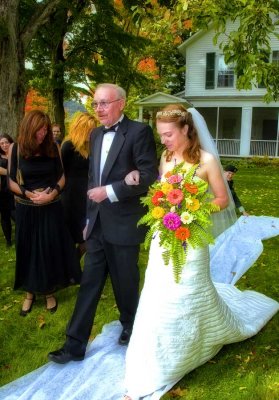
[216, 182]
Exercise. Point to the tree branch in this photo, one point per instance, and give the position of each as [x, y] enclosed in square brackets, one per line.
[39, 18]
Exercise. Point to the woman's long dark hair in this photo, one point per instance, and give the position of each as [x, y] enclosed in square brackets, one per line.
[32, 122]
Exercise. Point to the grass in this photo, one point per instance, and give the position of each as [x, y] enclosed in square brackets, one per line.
[246, 370]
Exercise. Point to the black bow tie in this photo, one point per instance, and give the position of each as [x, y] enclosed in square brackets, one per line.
[113, 128]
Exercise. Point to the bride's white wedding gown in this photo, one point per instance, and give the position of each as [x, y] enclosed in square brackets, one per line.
[178, 326]
[181, 326]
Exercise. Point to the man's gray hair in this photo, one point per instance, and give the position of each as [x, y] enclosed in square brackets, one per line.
[120, 91]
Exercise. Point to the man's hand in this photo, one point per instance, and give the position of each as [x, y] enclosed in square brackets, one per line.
[97, 194]
[132, 178]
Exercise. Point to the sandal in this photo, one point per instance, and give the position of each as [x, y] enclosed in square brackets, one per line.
[28, 301]
[53, 308]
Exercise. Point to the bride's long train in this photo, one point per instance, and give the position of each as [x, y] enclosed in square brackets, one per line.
[101, 375]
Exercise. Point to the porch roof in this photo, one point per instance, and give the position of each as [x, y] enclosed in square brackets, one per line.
[160, 99]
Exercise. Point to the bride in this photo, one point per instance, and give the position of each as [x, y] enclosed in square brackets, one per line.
[181, 325]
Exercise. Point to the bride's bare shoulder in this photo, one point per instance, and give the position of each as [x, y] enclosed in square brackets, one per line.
[206, 157]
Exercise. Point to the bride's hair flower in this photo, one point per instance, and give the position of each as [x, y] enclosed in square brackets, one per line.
[172, 221]
[182, 233]
[175, 196]
[179, 209]
[158, 212]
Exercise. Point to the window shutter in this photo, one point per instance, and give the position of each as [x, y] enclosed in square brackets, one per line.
[210, 71]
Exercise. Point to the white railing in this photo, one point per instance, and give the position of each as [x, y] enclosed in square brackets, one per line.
[264, 148]
[228, 147]
[231, 147]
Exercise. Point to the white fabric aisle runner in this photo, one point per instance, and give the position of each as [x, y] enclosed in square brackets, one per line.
[100, 376]
[236, 250]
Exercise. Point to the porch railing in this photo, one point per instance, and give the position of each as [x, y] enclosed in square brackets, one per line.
[264, 148]
[231, 147]
[228, 147]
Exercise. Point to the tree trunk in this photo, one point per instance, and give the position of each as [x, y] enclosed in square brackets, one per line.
[60, 21]
[12, 69]
[13, 45]
[57, 93]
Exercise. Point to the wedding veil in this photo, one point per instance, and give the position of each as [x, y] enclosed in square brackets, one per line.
[227, 217]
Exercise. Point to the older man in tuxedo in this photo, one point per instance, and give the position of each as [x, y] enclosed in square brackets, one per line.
[118, 147]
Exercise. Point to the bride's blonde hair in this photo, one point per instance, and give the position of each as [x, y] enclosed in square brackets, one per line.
[177, 114]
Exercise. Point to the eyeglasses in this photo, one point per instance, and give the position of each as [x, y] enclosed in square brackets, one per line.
[102, 104]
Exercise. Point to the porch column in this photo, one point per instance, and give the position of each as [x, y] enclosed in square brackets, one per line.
[151, 118]
[140, 119]
[245, 135]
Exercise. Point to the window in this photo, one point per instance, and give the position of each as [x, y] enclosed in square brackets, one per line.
[225, 73]
[275, 57]
[266, 59]
[210, 71]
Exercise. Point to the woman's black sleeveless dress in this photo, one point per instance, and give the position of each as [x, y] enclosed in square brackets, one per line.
[46, 259]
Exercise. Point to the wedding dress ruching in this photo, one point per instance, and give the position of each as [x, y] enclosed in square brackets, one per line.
[181, 326]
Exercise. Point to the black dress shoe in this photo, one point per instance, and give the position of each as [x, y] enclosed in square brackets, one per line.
[53, 309]
[22, 312]
[62, 356]
[124, 338]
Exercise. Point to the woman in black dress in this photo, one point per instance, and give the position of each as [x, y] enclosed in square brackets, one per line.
[75, 156]
[45, 254]
[6, 197]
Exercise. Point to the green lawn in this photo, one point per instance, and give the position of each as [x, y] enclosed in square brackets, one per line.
[246, 371]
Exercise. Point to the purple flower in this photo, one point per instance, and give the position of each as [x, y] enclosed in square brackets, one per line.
[172, 221]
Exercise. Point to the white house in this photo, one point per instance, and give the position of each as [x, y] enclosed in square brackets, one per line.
[239, 121]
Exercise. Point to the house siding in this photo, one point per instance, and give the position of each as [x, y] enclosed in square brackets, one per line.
[196, 68]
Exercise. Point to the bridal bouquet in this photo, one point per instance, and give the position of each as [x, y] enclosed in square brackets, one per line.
[179, 206]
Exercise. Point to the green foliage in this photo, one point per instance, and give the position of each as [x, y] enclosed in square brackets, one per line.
[252, 162]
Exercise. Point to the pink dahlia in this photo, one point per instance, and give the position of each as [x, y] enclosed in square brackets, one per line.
[175, 196]
[175, 179]
[172, 221]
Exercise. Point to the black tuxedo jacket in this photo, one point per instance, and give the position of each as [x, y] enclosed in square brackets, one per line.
[133, 147]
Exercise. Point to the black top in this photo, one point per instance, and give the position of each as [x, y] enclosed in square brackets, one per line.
[3, 182]
[234, 195]
[74, 196]
[37, 171]
[75, 165]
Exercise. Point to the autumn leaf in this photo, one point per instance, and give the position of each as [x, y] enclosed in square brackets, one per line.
[178, 392]
[41, 321]
[6, 307]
